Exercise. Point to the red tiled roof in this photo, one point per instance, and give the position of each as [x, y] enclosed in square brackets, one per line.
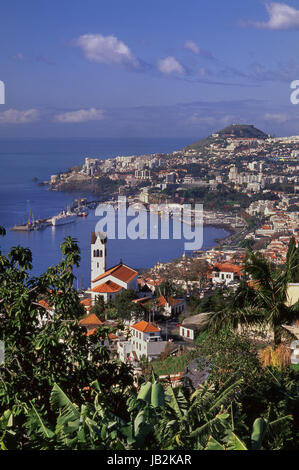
[91, 332]
[44, 303]
[141, 301]
[145, 327]
[121, 272]
[155, 282]
[91, 319]
[112, 336]
[228, 268]
[86, 302]
[162, 301]
[107, 287]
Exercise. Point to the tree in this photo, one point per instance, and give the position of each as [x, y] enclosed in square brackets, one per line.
[293, 250]
[99, 307]
[266, 304]
[124, 306]
[44, 344]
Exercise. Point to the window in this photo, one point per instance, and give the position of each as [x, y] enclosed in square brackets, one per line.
[188, 333]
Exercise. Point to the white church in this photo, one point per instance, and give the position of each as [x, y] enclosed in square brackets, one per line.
[108, 282]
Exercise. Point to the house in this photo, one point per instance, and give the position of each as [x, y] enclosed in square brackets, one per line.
[295, 352]
[171, 306]
[46, 312]
[152, 284]
[188, 331]
[108, 282]
[91, 322]
[86, 302]
[145, 341]
[192, 325]
[226, 273]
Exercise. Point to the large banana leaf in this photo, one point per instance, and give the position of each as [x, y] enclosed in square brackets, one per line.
[157, 395]
[258, 431]
[214, 445]
[37, 424]
[68, 412]
[145, 392]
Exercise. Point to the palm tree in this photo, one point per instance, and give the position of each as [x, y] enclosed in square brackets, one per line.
[266, 302]
[71, 251]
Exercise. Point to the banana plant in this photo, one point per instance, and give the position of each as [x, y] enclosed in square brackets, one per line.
[6, 425]
[187, 423]
[261, 429]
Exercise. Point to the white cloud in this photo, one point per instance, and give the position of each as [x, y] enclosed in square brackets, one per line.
[276, 117]
[15, 116]
[192, 47]
[202, 119]
[106, 50]
[81, 115]
[281, 16]
[170, 65]
[19, 56]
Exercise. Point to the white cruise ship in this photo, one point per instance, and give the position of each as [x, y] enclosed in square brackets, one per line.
[65, 217]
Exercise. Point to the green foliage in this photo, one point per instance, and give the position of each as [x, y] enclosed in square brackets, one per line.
[266, 303]
[99, 307]
[215, 302]
[44, 343]
[124, 306]
[293, 254]
[156, 418]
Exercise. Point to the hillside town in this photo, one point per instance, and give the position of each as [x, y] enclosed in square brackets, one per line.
[247, 181]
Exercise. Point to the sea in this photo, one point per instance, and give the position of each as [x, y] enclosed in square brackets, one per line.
[21, 161]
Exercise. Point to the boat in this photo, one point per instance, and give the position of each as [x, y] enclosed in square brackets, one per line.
[82, 214]
[64, 217]
[24, 227]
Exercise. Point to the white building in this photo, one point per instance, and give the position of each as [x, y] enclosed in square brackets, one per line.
[295, 352]
[226, 273]
[188, 331]
[145, 341]
[108, 282]
[171, 306]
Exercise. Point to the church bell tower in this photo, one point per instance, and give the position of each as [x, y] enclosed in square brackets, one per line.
[98, 254]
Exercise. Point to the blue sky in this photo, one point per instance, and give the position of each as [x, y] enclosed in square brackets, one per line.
[127, 68]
